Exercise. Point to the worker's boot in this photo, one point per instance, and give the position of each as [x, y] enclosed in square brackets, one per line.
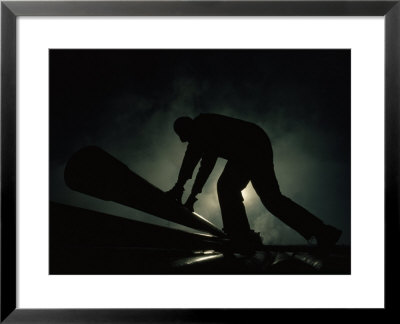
[326, 239]
[246, 243]
[255, 239]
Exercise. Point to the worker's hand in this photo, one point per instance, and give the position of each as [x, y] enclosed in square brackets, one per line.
[190, 202]
[176, 193]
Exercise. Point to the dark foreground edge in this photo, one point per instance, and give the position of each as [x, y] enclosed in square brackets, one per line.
[10, 10]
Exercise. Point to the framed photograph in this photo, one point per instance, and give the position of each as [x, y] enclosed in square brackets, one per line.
[153, 152]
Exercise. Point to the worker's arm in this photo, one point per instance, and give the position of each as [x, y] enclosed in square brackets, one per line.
[206, 166]
[190, 160]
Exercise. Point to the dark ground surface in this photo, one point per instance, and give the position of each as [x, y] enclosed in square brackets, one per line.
[88, 242]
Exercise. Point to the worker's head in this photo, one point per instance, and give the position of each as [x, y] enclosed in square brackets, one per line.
[183, 128]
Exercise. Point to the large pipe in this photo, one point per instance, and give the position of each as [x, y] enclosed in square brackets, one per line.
[94, 172]
[74, 226]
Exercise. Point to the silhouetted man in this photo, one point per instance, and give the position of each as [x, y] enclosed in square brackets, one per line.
[248, 152]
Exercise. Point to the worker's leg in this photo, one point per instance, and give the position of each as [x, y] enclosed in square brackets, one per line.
[230, 184]
[266, 185]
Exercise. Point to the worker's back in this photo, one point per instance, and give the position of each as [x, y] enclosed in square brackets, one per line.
[228, 137]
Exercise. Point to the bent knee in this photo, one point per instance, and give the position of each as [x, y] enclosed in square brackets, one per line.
[228, 191]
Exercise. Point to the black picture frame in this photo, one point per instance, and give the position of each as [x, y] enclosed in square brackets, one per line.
[10, 10]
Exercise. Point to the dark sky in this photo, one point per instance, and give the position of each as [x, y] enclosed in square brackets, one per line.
[126, 101]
